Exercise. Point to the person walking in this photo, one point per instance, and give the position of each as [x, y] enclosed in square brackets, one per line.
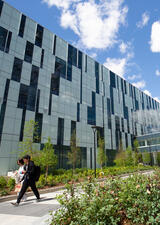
[28, 180]
[18, 175]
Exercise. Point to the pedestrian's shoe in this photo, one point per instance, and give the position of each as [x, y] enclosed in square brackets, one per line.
[15, 203]
[38, 200]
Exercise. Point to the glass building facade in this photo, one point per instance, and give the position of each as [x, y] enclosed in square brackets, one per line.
[43, 78]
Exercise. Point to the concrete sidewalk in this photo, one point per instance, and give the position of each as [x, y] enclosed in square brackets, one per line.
[29, 212]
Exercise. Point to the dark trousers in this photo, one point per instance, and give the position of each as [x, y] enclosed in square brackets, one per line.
[25, 185]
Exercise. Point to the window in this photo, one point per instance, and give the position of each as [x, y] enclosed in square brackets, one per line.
[122, 123]
[55, 83]
[78, 112]
[17, 69]
[23, 95]
[69, 72]
[22, 125]
[126, 137]
[60, 67]
[72, 55]
[3, 37]
[29, 52]
[1, 6]
[34, 76]
[97, 76]
[22, 25]
[42, 58]
[112, 79]
[73, 127]
[91, 158]
[37, 135]
[86, 63]
[91, 113]
[80, 60]
[3, 107]
[108, 106]
[54, 46]
[8, 42]
[31, 99]
[60, 135]
[39, 36]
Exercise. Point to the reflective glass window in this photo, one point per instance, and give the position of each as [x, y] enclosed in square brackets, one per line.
[17, 69]
[22, 25]
[29, 52]
[3, 37]
[39, 36]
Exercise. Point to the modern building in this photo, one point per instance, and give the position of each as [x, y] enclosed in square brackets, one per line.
[150, 143]
[45, 79]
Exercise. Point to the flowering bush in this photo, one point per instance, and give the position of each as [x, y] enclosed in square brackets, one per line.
[132, 201]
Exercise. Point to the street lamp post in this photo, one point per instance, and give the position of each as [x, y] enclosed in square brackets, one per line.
[95, 128]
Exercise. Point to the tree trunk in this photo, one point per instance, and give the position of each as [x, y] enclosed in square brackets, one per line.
[46, 173]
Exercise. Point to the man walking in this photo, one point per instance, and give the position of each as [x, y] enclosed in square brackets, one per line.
[29, 180]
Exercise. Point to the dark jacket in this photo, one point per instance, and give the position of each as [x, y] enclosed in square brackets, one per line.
[30, 171]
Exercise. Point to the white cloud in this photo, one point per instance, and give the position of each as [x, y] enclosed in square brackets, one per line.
[140, 84]
[147, 92]
[96, 24]
[119, 65]
[157, 73]
[63, 4]
[123, 47]
[144, 20]
[116, 65]
[93, 55]
[134, 77]
[155, 34]
[157, 99]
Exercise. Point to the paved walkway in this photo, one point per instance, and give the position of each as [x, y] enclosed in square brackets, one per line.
[32, 213]
[29, 212]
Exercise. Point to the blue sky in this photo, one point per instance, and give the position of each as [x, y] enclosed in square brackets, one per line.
[122, 35]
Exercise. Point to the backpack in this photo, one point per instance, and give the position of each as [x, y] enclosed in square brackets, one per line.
[37, 172]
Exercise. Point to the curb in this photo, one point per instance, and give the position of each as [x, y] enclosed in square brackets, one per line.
[54, 189]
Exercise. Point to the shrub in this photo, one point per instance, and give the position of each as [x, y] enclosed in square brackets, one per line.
[42, 181]
[11, 184]
[50, 181]
[4, 192]
[134, 200]
[3, 182]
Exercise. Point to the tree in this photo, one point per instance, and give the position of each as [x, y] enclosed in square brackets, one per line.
[74, 155]
[30, 135]
[101, 157]
[47, 157]
[146, 157]
[137, 155]
[129, 157]
[120, 156]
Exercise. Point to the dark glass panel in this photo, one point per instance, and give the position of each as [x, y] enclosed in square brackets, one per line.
[122, 122]
[73, 127]
[54, 46]
[1, 7]
[29, 52]
[3, 37]
[72, 55]
[31, 100]
[55, 83]
[80, 60]
[60, 135]
[97, 76]
[22, 125]
[39, 121]
[86, 63]
[69, 72]
[39, 36]
[42, 58]
[91, 158]
[3, 107]
[22, 25]
[34, 76]
[23, 95]
[60, 67]
[17, 69]
[8, 42]
[78, 112]
[126, 137]
[112, 79]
